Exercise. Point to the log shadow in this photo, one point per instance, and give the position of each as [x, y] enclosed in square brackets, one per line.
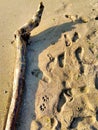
[38, 43]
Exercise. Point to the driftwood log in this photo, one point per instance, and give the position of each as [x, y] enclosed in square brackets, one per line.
[21, 40]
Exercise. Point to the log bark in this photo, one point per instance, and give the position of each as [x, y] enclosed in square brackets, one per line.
[21, 39]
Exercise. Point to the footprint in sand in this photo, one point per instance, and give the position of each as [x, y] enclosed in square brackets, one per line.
[96, 80]
[51, 60]
[76, 37]
[58, 98]
[61, 60]
[42, 107]
[63, 97]
[78, 53]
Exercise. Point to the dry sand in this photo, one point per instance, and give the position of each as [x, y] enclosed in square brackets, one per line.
[61, 81]
[13, 14]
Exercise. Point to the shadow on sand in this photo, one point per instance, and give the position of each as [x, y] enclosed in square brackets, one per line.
[38, 43]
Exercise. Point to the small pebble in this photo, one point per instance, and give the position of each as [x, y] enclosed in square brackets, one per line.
[71, 17]
[84, 19]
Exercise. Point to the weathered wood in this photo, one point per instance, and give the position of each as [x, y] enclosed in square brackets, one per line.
[21, 38]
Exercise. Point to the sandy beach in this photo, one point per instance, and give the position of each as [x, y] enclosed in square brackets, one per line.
[61, 65]
[12, 16]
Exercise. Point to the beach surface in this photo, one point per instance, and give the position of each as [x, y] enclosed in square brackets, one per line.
[61, 65]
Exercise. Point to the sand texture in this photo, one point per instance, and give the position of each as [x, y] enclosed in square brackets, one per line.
[61, 91]
[67, 94]
[63, 62]
[65, 69]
